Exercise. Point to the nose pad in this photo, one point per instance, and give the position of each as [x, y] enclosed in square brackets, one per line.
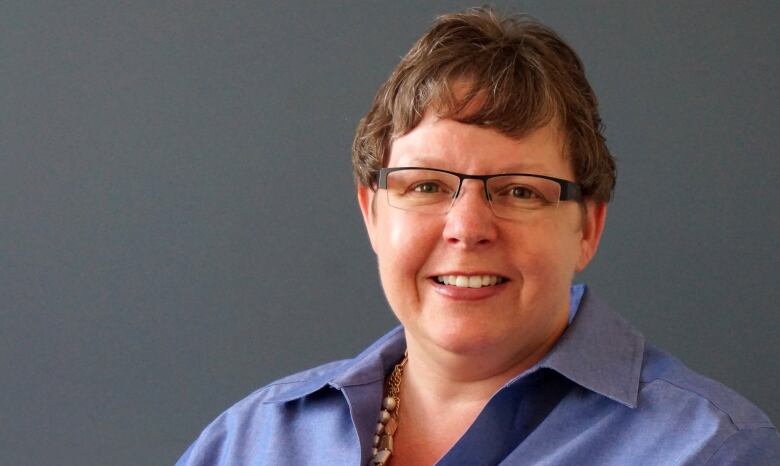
[485, 194]
[470, 220]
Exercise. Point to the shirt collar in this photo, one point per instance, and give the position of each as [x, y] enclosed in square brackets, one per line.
[599, 351]
[370, 366]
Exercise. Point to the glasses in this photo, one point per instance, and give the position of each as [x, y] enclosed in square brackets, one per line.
[510, 195]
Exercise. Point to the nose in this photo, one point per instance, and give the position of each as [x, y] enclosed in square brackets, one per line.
[470, 222]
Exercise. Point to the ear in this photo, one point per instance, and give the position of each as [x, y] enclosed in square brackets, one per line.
[592, 228]
[365, 197]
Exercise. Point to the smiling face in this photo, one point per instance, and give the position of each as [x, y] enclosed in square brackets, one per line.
[523, 268]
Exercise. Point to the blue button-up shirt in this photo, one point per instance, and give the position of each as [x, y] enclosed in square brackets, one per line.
[601, 396]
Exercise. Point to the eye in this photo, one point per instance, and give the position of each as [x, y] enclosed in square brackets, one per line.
[523, 192]
[426, 187]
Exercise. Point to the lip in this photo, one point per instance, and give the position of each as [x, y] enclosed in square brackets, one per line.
[467, 294]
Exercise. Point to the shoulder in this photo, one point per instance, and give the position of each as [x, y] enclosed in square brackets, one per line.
[753, 446]
[284, 421]
[260, 416]
[665, 373]
[737, 430]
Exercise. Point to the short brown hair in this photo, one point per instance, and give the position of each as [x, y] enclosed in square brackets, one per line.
[525, 76]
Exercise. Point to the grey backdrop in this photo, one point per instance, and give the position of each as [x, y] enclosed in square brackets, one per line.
[178, 223]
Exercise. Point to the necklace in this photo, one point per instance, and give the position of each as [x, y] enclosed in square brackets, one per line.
[388, 417]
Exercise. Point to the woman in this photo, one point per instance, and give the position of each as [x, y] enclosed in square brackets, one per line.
[483, 180]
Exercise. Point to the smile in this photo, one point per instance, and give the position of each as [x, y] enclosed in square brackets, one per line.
[473, 281]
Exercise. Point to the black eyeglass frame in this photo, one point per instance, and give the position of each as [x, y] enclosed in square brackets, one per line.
[570, 191]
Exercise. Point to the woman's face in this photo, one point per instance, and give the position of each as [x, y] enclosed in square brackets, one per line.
[534, 258]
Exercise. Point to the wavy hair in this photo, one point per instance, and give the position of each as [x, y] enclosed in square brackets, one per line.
[522, 75]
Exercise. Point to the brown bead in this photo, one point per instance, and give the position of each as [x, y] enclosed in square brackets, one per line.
[391, 426]
[384, 416]
[380, 428]
[381, 457]
[386, 443]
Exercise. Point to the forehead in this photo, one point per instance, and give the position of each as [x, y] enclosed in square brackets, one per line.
[445, 143]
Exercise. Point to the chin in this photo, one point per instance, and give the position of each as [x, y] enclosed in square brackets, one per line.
[464, 339]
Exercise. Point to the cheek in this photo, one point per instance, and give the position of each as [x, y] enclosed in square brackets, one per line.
[552, 251]
[404, 246]
[570, 252]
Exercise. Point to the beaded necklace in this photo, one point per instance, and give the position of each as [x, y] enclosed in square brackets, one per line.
[388, 417]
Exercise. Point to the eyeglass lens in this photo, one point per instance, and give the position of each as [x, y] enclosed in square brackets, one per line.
[433, 191]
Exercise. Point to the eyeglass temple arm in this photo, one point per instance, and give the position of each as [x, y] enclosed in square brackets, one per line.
[571, 192]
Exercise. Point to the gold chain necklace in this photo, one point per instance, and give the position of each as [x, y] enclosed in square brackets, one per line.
[388, 417]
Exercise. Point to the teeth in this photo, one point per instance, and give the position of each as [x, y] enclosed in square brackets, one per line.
[473, 281]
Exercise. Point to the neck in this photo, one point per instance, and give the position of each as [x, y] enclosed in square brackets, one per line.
[453, 394]
[436, 376]
[452, 389]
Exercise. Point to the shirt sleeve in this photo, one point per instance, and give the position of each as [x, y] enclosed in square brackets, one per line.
[755, 447]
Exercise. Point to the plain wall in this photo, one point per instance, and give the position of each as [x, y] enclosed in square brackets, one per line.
[178, 225]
